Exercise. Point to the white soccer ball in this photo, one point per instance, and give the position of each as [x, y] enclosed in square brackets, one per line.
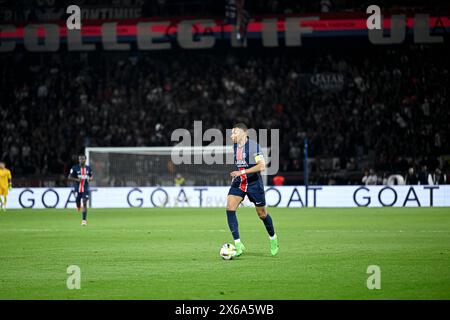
[228, 251]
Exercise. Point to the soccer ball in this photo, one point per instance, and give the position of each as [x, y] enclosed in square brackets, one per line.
[228, 251]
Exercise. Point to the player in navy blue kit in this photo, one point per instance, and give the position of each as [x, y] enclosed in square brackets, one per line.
[247, 181]
[81, 174]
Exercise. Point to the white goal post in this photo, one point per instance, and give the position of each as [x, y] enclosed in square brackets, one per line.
[159, 166]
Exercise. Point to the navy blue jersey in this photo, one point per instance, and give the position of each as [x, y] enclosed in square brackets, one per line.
[83, 173]
[246, 157]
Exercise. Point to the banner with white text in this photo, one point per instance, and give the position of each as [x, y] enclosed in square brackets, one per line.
[187, 33]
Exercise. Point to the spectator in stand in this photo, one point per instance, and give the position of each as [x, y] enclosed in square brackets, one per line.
[179, 180]
[438, 177]
[325, 6]
[370, 178]
[365, 177]
[278, 180]
[424, 177]
[411, 177]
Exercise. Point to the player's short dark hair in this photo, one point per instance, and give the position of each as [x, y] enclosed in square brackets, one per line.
[241, 125]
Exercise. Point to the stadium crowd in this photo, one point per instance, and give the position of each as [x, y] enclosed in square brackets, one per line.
[383, 109]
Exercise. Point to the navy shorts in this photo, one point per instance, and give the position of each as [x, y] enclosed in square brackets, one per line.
[254, 193]
[82, 195]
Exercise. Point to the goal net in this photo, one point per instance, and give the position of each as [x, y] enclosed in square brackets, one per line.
[160, 166]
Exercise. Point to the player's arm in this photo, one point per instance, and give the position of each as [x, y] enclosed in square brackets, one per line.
[72, 176]
[260, 166]
[91, 175]
[9, 180]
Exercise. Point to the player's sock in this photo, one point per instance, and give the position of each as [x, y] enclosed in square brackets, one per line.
[233, 224]
[84, 213]
[268, 223]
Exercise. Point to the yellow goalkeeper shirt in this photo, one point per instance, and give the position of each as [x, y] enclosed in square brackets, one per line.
[5, 176]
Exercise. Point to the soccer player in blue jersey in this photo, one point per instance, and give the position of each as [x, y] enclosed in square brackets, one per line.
[247, 181]
[81, 175]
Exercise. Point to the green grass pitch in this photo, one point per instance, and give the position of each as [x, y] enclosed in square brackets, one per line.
[174, 254]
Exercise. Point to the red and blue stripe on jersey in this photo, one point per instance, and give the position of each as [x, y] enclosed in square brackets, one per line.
[240, 155]
[82, 182]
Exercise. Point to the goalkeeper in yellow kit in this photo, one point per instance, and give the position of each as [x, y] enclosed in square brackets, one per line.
[5, 184]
